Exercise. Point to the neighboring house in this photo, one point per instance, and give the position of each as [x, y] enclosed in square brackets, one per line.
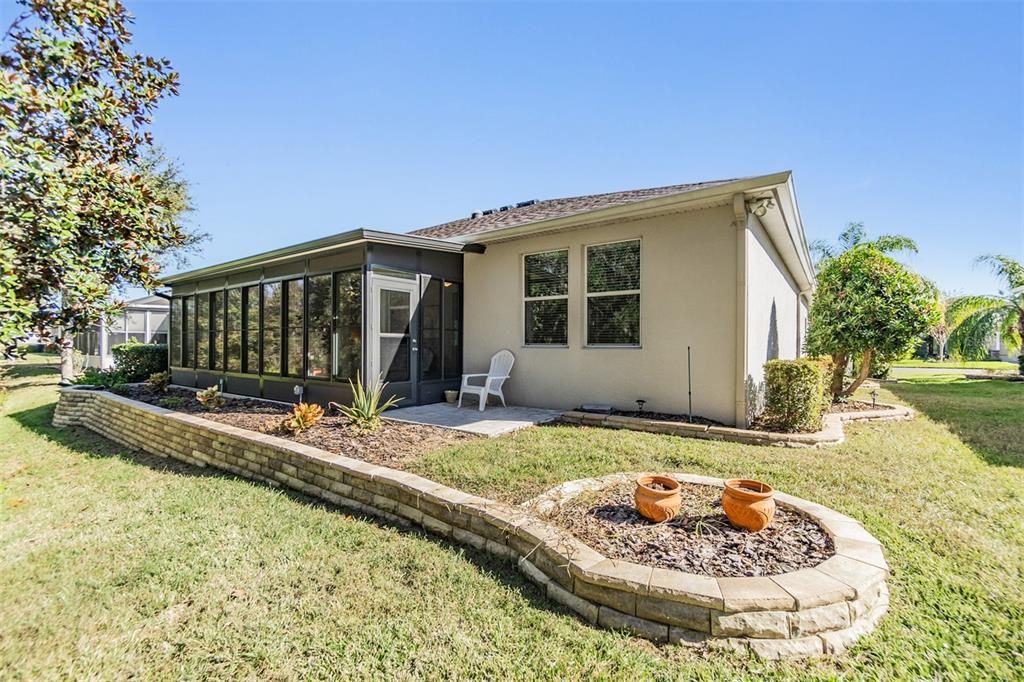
[146, 320]
[598, 296]
[997, 350]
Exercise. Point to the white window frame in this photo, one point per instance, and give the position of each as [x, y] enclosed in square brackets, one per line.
[587, 295]
[527, 299]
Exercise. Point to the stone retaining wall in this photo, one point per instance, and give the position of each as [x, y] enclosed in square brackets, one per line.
[831, 433]
[810, 612]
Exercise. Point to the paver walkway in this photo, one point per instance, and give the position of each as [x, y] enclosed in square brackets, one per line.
[494, 421]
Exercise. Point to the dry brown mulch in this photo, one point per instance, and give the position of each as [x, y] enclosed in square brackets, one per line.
[700, 540]
[667, 417]
[394, 444]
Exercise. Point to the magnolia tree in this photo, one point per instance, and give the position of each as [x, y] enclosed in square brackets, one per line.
[867, 306]
[83, 210]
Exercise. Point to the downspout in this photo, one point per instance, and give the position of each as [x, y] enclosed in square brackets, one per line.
[739, 210]
[802, 325]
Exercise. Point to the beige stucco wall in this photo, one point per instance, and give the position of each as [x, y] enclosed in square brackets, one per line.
[688, 297]
[773, 306]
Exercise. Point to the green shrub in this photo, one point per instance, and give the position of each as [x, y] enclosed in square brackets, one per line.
[172, 401]
[139, 360]
[366, 407]
[105, 378]
[158, 382]
[796, 394]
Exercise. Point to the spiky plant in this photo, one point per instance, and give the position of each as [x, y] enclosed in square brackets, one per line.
[367, 404]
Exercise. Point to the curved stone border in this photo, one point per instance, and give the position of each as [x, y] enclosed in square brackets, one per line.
[822, 609]
[808, 612]
[831, 434]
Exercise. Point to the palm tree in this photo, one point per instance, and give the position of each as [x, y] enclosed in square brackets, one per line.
[854, 235]
[974, 318]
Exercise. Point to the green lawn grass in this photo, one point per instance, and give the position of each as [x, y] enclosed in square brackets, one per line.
[992, 365]
[116, 564]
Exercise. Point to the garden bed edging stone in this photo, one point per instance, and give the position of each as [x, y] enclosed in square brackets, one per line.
[830, 434]
[815, 611]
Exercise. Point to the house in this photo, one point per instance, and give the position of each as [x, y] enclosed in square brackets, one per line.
[145, 320]
[598, 296]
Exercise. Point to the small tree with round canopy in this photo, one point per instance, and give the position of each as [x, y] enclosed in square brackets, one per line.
[867, 305]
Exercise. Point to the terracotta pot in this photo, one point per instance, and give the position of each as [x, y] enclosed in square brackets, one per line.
[748, 504]
[657, 505]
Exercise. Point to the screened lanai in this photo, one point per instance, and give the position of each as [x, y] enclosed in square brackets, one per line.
[308, 318]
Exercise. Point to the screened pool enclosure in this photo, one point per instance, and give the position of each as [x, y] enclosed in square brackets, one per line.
[311, 317]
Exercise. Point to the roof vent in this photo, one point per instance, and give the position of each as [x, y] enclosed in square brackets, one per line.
[477, 214]
[502, 209]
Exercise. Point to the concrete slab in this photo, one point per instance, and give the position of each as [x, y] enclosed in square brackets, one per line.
[492, 422]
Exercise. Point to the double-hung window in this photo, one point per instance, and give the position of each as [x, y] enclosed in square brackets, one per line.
[613, 294]
[546, 298]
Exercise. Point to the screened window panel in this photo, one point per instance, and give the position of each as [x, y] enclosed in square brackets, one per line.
[136, 321]
[452, 307]
[188, 340]
[234, 326]
[251, 301]
[547, 321]
[176, 308]
[116, 325]
[394, 358]
[295, 326]
[203, 331]
[272, 302]
[160, 338]
[546, 274]
[613, 267]
[395, 311]
[219, 336]
[158, 322]
[613, 320]
[430, 331]
[318, 304]
[348, 328]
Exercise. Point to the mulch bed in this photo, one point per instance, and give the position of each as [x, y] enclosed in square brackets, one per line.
[858, 406]
[394, 444]
[667, 417]
[699, 540]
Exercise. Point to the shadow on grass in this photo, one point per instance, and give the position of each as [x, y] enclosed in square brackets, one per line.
[85, 442]
[986, 414]
[28, 370]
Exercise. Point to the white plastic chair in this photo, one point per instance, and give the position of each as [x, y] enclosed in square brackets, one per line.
[500, 370]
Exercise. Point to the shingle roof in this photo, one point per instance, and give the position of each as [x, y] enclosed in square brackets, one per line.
[556, 208]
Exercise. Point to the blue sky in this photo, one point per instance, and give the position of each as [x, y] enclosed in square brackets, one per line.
[300, 120]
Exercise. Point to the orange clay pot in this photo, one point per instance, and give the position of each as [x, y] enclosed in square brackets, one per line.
[748, 504]
[657, 505]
